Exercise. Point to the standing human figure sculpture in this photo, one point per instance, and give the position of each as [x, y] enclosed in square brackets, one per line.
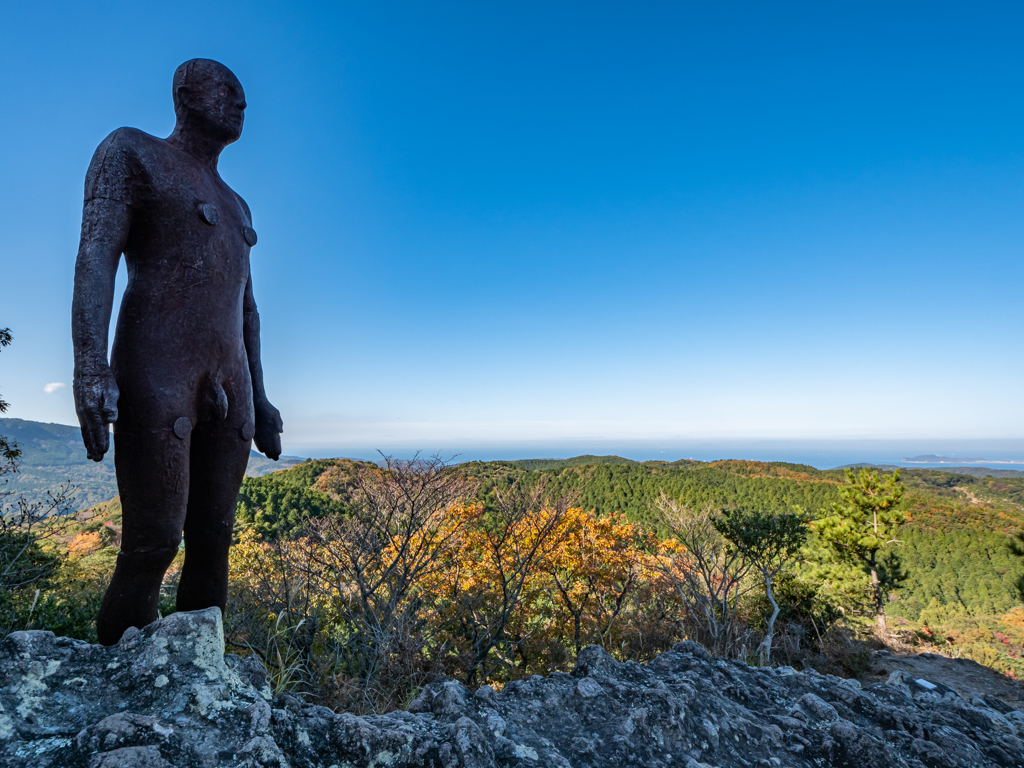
[184, 385]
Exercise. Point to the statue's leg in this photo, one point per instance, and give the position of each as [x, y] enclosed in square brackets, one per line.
[219, 457]
[153, 480]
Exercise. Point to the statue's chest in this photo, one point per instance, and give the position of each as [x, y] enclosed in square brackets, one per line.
[194, 219]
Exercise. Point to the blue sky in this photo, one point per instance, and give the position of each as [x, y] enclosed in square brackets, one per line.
[548, 223]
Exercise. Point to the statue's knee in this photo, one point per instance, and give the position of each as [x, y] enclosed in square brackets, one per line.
[148, 558]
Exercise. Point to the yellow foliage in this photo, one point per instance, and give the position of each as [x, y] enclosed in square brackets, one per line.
[597, 562]
[1015, 618]
[513, 595]
[84, 544]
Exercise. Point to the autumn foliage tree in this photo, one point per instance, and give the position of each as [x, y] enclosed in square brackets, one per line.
[706, 572]
[495, 573]
[401, 535]
[351, 591]
[276, 611]
[597, 565]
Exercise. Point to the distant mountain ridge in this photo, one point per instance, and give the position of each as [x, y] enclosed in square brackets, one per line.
[43, 443]
[53, 454]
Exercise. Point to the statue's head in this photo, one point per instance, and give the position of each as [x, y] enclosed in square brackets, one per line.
[208, 96]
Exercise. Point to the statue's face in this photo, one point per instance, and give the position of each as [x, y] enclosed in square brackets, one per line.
[215, 99]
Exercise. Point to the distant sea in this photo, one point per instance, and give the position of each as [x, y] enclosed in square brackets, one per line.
[821, 454]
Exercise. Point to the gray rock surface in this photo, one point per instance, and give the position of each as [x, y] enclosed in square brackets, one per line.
[167, 696]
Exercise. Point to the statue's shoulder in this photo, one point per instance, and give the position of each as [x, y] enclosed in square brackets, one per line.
[132, 142]
[122, 163]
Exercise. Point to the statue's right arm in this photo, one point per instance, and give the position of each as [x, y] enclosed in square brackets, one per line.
[105, 225]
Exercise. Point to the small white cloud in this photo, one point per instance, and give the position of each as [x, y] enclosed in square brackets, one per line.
[54, 386]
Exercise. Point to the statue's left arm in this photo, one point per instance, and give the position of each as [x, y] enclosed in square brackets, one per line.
[268, 418]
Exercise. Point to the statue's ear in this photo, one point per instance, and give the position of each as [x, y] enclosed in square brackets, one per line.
[182, 99]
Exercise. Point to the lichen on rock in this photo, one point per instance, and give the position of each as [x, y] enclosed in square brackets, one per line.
[167, 695]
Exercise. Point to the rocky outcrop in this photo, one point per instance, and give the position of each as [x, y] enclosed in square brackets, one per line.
[167, 696]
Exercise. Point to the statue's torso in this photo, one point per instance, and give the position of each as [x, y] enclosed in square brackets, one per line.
[187, 255]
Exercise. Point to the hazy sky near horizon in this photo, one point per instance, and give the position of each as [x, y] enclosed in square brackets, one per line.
[566, 221]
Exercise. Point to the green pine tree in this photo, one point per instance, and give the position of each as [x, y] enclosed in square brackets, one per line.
[9, 451]
[1017, 548]
[864, 523]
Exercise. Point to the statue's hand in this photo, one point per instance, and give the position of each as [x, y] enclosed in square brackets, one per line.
[268, 430]
[96, 403]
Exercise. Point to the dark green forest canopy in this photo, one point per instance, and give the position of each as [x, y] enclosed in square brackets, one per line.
[576, 461]
[954, 544]
[936, 500]
[633, 487]
[274, 504]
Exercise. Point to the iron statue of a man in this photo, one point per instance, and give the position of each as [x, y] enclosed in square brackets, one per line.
[184, 384]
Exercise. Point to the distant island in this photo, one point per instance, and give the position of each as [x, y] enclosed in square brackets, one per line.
[931, 458]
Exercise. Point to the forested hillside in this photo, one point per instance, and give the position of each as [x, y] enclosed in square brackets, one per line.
[954, 545]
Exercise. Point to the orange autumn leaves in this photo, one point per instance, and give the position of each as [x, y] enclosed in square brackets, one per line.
[490, 595]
